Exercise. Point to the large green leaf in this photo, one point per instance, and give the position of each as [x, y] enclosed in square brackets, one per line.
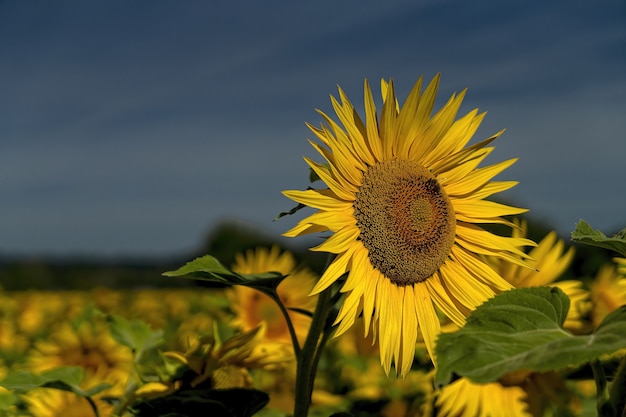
[207, 268]
[521, 330]
[67, 378]
[584, 233]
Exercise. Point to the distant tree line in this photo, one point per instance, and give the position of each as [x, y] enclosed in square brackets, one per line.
[223, 242]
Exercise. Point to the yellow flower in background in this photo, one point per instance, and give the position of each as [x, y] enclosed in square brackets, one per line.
[46, 402]
[464, 398]
[253, 307]
[362, 380]
[549, 261]
[226, 364]
[621, 266]
[405, 201]
[608, 290]
[49, 402]
[87, 344]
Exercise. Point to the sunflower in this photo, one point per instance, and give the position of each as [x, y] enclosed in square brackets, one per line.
[253, 307]
[608, 290]
[405, 203]
[87, 344]
[50, 402]
[45, 402]
[464, 398]
[549, 261]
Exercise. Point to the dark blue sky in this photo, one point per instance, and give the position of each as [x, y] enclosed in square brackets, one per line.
[131, 127]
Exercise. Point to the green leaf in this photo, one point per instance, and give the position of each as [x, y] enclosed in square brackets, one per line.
[7, 400]
[584, 233]
[135, 334]
[66, 378]
[207, 268]
[521, 329]
[205, 265]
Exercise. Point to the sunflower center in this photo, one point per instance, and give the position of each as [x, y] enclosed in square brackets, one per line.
[406, 220]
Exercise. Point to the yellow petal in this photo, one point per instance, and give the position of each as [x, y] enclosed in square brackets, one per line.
[427, 318]
[484, 208]
[442, 300]
[476, 179]
[343, 192]
[371, 124]
[340, 241]
[388, 125]
[409, 330]
[337, 268]
[319, 199]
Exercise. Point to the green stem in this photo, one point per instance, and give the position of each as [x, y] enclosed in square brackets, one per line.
[617, 396]
[93, 405]
[602, 392]
[292, 331]
[307, 364]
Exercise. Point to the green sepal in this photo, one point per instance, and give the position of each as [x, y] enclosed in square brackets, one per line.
[521, 329]
[584, 233]
[66, 378]
[295, 209]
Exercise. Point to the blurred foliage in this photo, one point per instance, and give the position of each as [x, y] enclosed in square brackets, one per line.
[222, 242]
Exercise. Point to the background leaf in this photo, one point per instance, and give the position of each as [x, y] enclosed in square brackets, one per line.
[207, 268]
[584, 233]
[135, 334]
[66, 378]
[521, 330]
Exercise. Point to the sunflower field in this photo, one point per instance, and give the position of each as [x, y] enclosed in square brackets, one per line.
[434, 301]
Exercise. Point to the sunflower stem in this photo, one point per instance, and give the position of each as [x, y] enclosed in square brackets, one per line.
[93, 405]
[309, 356]
[602, 392]
[292, 331]
[617, 390]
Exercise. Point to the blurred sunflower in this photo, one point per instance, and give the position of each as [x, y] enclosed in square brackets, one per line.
[48, 402]
[253, 307]
[621, 266]
[549, 261]
[608, 290]
[405, 201]
[464, 398]
[45, 402]
[87, 344]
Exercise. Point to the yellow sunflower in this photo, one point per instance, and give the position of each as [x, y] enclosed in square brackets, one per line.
[608, 290]
[49, 402]
[405, 201]
[621, 266]
[45, 402]
[464, 398]
[88, 345]
[253, 307]
[549, 261]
